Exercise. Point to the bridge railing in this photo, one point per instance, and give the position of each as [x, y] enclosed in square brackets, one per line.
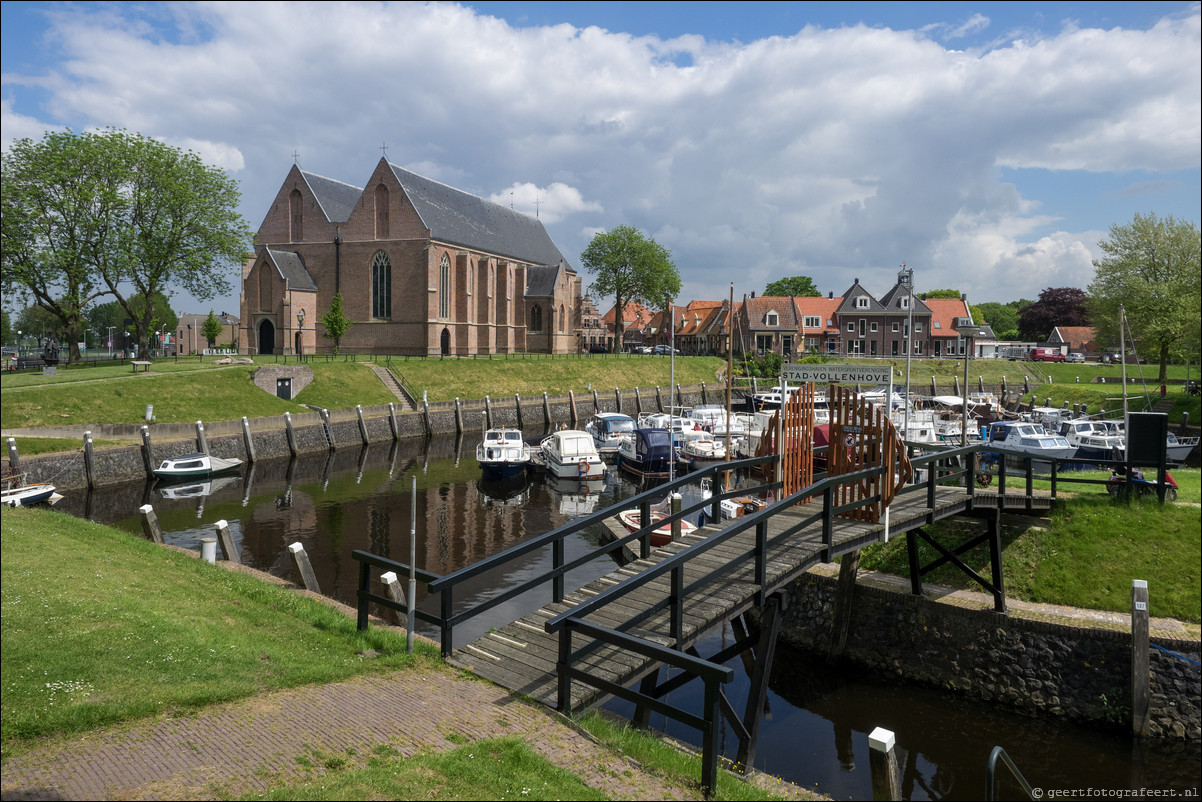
[446, 585]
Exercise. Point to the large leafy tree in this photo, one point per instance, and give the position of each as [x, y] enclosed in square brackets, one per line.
[800, 286]
[117, 214]
[1057, 306]
[946, 293]
[632, 268]
[1002, 318]
[1151, 268]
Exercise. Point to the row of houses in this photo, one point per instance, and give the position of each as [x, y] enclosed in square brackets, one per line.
[856, 323]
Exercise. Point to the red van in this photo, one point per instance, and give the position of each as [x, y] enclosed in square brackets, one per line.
[1045, 355]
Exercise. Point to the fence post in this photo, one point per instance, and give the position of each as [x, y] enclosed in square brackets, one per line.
[301, 560]
[1140, 669]
[247, 442]
[202, 442]
[229, 550]
[882, 760]
[14, 460]
[150, 524]
[89, 460]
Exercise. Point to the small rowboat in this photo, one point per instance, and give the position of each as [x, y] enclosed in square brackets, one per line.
[661, 535]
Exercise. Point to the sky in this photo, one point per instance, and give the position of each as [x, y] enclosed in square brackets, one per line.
[987, 146]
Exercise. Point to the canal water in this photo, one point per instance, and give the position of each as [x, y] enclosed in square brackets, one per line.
[815, 732]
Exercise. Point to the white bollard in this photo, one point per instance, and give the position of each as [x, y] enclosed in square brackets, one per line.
[208, 550]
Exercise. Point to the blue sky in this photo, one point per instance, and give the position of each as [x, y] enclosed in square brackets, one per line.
[989, 146]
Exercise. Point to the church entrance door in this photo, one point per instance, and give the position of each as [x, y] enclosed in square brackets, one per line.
[266, 337]
[446, 342]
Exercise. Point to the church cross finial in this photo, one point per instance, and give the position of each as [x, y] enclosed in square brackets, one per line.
[536, 205]
[384, 149]
[295, 157]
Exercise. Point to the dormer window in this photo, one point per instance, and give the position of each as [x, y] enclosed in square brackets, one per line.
[772, 319]
[812, 322]
[862, 302]
[905, 303]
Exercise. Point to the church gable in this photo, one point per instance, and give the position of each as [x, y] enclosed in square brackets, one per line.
[307, 208]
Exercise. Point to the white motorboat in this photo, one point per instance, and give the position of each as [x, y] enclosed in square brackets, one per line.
[608, 429]
[194, 466]
[1092, 439]
[28, 495]
[682, 428]
[502, 454]
[1028, 438]
[703, 452]
[571, 454]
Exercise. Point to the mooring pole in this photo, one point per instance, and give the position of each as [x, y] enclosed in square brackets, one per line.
[412, 567]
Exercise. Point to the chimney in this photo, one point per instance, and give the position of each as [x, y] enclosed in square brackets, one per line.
[830, 296]
[753, 293]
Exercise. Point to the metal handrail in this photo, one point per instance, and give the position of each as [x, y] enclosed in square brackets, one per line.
[991, 769]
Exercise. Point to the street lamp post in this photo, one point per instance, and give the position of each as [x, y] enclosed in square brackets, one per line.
[300, 328]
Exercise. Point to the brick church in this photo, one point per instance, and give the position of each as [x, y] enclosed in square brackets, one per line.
[423, 268]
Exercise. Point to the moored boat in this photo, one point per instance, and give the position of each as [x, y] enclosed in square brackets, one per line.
[502, 454]
[194, 466]
[646, 453]
[608, 429]
[571, 454]
[27, 495]
[661, 535]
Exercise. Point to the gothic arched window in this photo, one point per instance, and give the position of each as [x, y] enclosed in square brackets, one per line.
[381, 286]
[444, 287]
[536, 318]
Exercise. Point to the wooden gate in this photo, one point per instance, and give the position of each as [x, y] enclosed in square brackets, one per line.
[862, 437]
[797, 457]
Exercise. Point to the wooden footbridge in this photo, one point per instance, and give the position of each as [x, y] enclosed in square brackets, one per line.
[620, 635]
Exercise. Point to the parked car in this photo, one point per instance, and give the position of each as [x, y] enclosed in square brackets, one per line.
[663, 350]
[598, 349]
[1045, 355]
[1075, 357]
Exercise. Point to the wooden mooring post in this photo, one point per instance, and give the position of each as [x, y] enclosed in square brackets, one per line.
[14, 459]
[301, 560]
[517, 409]
[882, 759]
[1140, 664]
[393, 426]
[202, 442]
[362, 424]
[225, 539]
[248, 442]
[89, 460]
[291, 433]
[571, 403]
[150, 524]
[844, 594]
[148, 454]
[392, 586]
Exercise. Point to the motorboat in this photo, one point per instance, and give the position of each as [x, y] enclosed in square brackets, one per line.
[1028, 438]
[1092, 439]
[571, 454]
[770, 399]
[502, 454]
[661, 535]
[683, 428]
[608, 429]
[647, 453]
[716, 420]
[1179, 448]
[703, 452]
[194, 466]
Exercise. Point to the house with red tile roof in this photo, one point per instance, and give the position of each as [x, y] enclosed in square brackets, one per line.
[818, 328]
[946, 314]
[1078, 339]
[634, 320]
[767, 324]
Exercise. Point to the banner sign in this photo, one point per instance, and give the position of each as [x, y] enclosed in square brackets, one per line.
[844, 374]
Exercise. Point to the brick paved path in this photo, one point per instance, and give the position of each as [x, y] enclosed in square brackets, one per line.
[240, 747]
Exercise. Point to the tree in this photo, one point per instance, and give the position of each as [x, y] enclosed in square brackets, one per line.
[335, 322]
[953, 294]
[800, 286]
[120, 214]
[1057, 306]
[631, 267]
[1151, 269]
[211, 329]
[1002, 318]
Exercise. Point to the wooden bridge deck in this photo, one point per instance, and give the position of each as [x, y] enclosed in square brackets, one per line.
[522, 656]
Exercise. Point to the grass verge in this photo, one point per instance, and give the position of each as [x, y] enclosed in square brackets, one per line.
[1086, 557]
[101, 627]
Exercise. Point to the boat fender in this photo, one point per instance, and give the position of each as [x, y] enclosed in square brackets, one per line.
[583, 467]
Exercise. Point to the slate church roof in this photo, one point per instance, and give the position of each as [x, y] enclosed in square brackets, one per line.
[292, 268]
[336, 198]
[461, 218]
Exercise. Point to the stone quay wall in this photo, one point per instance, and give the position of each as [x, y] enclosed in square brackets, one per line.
[1038, 667]
[68, 471]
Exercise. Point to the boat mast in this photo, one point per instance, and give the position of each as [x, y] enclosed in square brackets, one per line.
[729, 367]
[672, 387]
[1123, 362]
[909, 328]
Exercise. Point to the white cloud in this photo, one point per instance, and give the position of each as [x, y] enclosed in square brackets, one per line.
[835, 153]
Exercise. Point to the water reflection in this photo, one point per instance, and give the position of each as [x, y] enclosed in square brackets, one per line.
[818, 717]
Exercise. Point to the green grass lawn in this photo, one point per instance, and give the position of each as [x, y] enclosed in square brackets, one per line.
[1086, 557]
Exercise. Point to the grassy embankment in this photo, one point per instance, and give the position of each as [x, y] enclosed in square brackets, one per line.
[102, 628]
